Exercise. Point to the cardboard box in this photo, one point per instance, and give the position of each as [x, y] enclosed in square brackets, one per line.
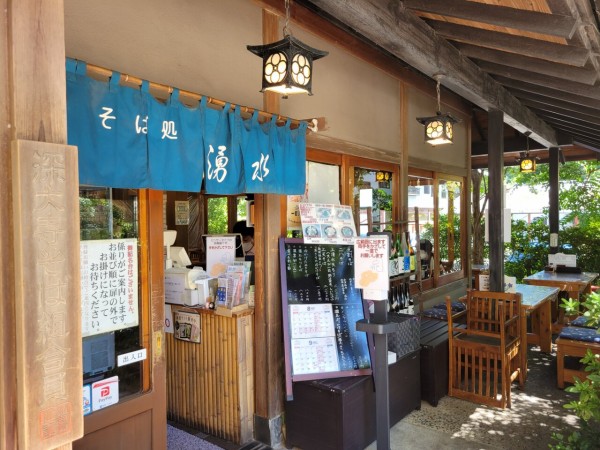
[229, 312]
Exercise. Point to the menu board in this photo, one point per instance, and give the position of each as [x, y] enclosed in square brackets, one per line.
[321, 306]
[327, 224]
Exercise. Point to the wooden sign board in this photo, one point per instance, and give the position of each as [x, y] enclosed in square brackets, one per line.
[321, 306]
[48, 306]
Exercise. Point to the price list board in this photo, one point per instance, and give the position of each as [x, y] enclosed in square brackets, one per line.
[321, 307]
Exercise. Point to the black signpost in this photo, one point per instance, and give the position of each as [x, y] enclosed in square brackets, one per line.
[380, 327]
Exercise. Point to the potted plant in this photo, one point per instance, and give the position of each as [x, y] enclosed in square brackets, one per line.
[571, 309]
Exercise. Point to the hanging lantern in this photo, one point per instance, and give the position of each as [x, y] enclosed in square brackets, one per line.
[288, 63]
[526, 162]
[439, 128]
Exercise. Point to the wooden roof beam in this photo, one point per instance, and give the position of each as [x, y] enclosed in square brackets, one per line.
[523, 86]
[564, 54]
[398, 31]
[559, 84]
[537, 22]
[524, 97]
[579, 74]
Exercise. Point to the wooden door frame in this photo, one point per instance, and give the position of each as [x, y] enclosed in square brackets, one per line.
[153, 395]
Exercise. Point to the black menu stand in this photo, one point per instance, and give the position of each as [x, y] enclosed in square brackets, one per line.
[380, 327]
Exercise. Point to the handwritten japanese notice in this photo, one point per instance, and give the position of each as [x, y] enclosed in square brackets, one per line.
[371, 267]
[109, 285]
[220, 253]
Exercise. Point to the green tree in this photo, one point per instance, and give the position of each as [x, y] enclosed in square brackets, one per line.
[579, 188]
[217, 215]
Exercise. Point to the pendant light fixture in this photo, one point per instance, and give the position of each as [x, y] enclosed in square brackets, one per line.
[439, 128]
[526, 162]
[288, 63]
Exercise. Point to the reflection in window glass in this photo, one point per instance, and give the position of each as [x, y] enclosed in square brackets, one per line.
[110, 214]
[420, 194]
[322, 186]
[241, 208]
[449, 224]
[375, 214]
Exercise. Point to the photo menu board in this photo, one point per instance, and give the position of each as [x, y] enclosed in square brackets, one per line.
[321, 306]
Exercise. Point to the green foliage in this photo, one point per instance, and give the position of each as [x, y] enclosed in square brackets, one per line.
[579, 188]
[571, 306]
[427, 233]
[587, 406]
[591, 308]
[527, 251]
[217, 215]
[585, 242]
[96, 221]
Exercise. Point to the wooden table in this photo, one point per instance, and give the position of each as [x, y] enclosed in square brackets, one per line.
[536, 302]
[574, 284]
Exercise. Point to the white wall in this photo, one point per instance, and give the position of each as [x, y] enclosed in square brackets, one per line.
[200, 46]
[195, 45]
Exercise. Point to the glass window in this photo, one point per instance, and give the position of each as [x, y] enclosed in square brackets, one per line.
[322, 186]
[450, 200]
[107, 214]
[420, 195]
[217, 215]
[373, 200]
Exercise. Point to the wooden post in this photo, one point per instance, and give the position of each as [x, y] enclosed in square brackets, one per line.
[553, 198]
[268, 421]
[496, 169]
[40, 366]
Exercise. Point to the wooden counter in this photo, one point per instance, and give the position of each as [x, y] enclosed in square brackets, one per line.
[210, 385]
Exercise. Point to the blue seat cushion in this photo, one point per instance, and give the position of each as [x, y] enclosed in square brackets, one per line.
[580, 322]
[580, 334]
[435, 313]
[456, 306]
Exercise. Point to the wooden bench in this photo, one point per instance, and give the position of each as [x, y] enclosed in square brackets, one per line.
[571, 343]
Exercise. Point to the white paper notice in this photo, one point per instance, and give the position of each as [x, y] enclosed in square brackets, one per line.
[220, 252]
[109, 285]
[309, 321]
[371, 263]
[315, 355]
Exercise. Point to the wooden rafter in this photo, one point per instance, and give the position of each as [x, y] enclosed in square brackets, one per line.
[397, 30]
[533, 21]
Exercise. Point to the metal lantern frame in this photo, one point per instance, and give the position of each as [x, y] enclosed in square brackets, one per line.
[287, 65]
[438, 129]
[527, 163]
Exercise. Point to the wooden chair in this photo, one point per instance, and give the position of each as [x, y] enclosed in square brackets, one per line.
[484, 357]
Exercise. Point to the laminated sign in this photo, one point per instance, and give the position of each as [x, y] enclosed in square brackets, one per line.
[187, 326]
